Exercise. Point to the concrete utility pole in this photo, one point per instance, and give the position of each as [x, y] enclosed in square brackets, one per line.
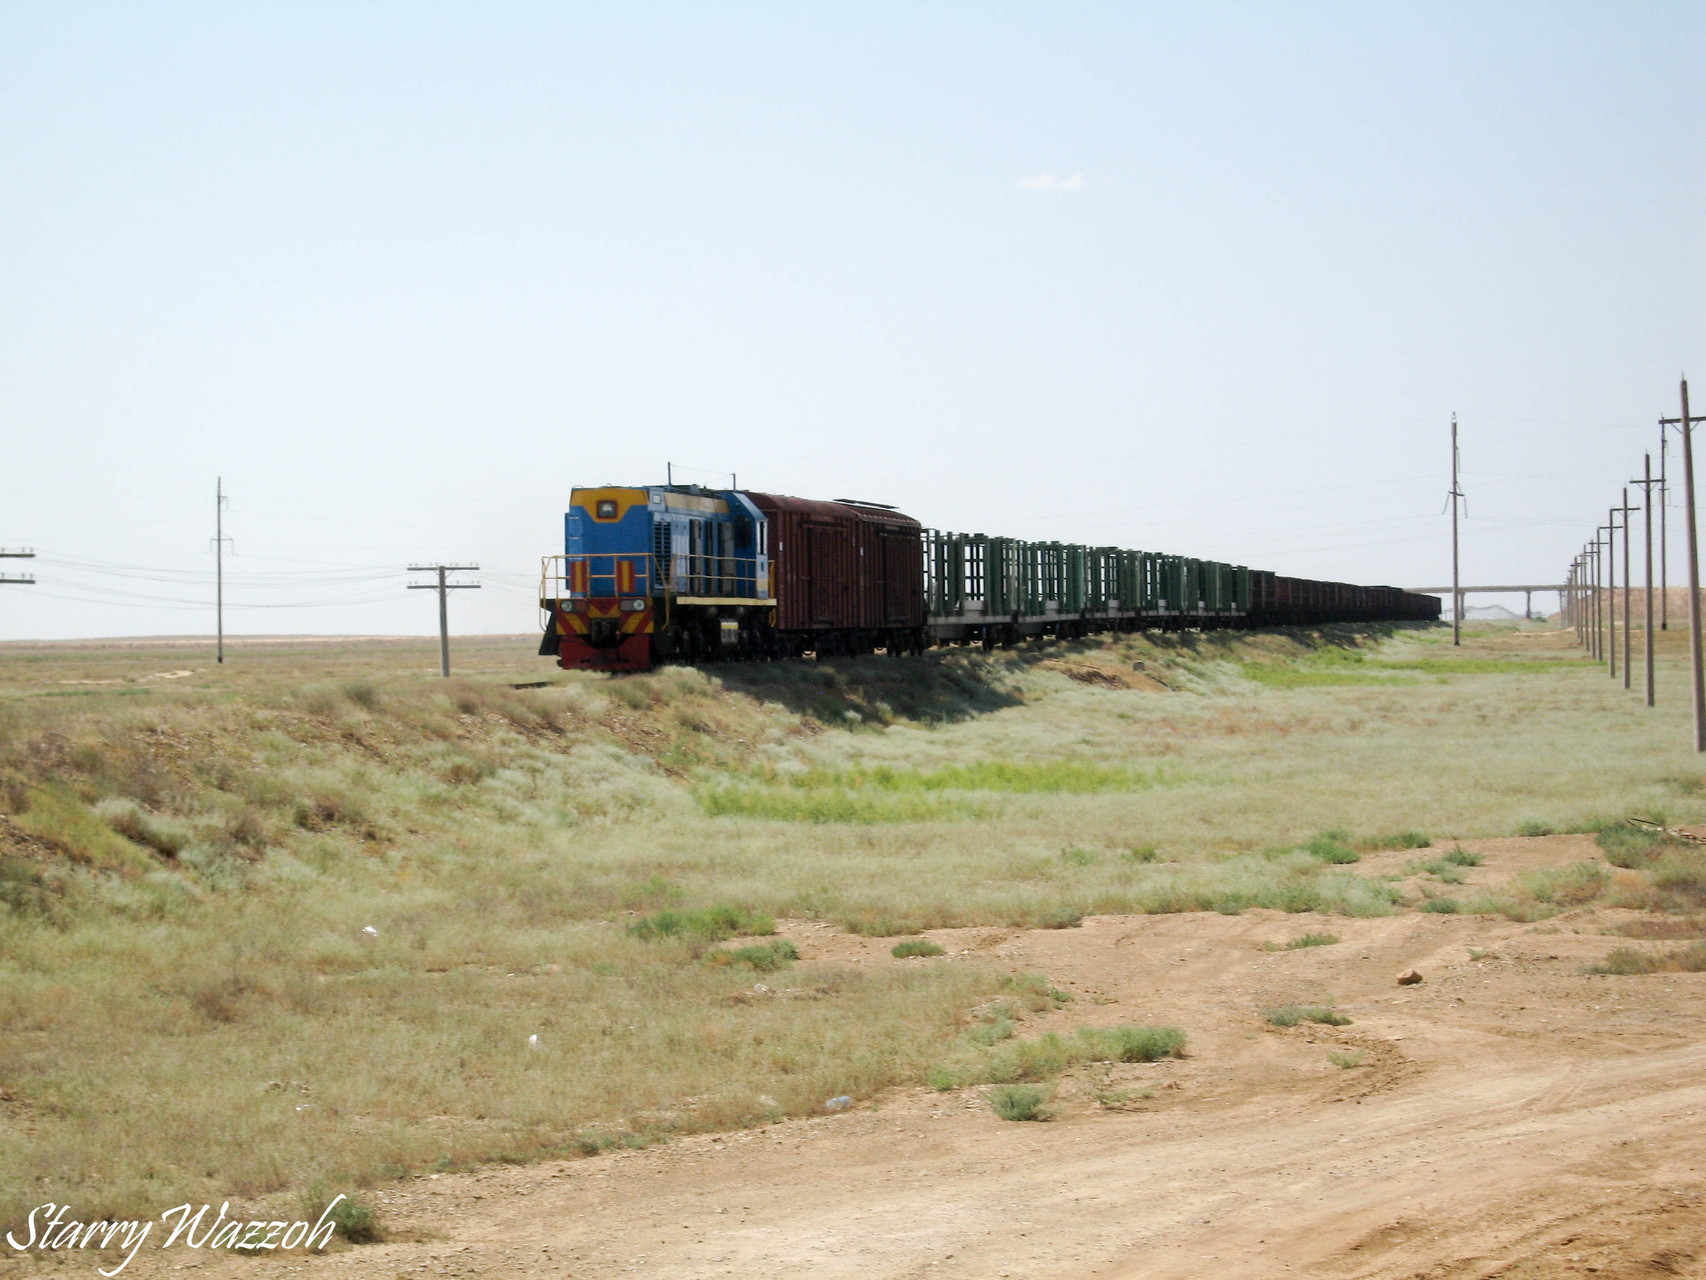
[21, 580]
[1664, 501]
[1647, 481]
[1456, 494]
[1611, 584]
[1686, 424]
[219, 541]
[444, 589]
[1598, 544]
[1625, 510]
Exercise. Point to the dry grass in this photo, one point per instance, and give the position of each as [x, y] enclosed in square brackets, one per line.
[188, 868]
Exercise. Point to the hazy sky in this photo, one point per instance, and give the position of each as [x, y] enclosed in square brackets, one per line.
[1202, 278]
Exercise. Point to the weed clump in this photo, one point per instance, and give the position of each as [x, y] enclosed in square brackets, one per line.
[1628, 960]
[1406, 840]
[352, 1219]
[1355, 1058]
[915, 947]
[1302, 941]
[762, 957]
[1047, 1055]
[1292, 1015]
[1331, 847]
[1442, 906]
[1019, 1102]
[714, 924]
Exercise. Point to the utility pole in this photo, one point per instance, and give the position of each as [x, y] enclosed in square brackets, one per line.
[21, 580]
[1611, 581]
[444, 589]
[1664, 501]
[1456, 591]
[1598, 545]
[1647, 481]
[1686, 423]
[219, 541]
[1626, 509]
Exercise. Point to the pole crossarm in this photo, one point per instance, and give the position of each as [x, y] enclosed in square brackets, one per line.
[17, 579]
[1519, 587]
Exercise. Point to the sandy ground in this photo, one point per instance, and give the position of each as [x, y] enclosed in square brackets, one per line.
[1514, 1116]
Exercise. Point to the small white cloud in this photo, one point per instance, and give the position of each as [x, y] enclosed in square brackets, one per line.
[1050, 182]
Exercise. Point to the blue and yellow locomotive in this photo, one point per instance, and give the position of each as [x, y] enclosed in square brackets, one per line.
[656, 574]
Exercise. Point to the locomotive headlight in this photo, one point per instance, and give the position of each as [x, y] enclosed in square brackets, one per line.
[634, 606]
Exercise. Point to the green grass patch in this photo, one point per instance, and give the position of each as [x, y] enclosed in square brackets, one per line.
[831, 805]
[762, 957]
[1076, 777]
[1331, 846]
[1442, 906]
[1348, 1061]
[711, 925]
[1274, 676]
[1485, 666]
[1292, 1015]
[915, 947]
[1303, 940]
[1629, 960]
[55, 815]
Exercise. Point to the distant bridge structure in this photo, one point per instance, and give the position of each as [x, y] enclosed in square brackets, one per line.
[1527, 588]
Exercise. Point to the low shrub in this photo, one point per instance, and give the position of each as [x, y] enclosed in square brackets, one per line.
[1292, 1015]
[1019, 1102]
[764, 957]
[1331, 846]
[1355, 1058]
[1404, 840]
[1627, 960]
[710, 925]
[1442, 906]
[915, 947]
[1302, 941]
[1463, 858]
[1048, 1055]
[1630, 847]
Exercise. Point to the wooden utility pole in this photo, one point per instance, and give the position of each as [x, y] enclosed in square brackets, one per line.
[1647, 481]
[444, 589]
[1686, 424]
[1456, 590]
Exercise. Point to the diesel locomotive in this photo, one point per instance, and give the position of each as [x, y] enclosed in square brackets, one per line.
[680, 573]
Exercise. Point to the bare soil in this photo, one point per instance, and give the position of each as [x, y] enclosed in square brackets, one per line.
[1512, 1116]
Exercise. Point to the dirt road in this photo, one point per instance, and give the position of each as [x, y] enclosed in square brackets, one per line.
[1511, 1116]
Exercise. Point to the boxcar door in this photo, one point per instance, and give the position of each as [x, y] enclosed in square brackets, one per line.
[825, 581]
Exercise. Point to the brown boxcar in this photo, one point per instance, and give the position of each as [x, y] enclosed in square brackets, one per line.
[843, 566]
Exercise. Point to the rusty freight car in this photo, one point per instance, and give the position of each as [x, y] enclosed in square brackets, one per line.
[847, 577]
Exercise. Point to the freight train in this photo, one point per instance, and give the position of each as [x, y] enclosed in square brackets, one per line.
[679, 573]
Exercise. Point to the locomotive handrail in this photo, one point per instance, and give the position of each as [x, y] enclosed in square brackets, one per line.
[699, 575]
